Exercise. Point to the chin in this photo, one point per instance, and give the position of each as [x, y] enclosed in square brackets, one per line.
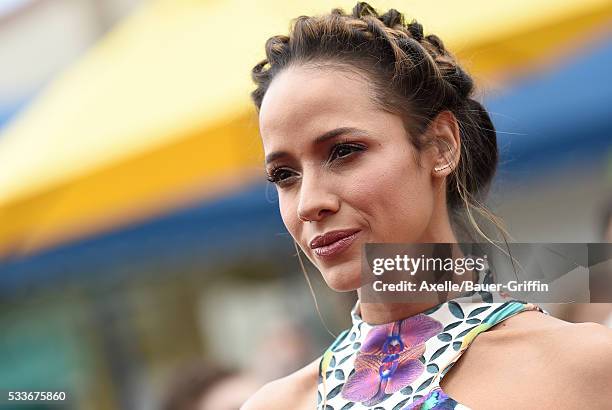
[342, 280]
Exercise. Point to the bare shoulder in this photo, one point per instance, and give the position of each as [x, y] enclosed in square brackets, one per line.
[587, 348]
[572, 357]
[537, 329]
[551, 362]
[296, 391]
[582, 354]
[574, 342]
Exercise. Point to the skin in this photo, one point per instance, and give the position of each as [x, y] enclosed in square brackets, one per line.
[332, 186]
[228, 394]
[390, 191]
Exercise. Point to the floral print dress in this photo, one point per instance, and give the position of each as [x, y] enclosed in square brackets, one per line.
[399, 365]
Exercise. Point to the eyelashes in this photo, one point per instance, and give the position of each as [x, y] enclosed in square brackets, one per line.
[282, 176]
[275, 175]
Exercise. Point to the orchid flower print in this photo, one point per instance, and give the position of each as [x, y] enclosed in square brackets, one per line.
[388, 359]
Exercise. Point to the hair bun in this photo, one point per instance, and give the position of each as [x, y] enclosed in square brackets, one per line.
[462, 82]
[392, 18]
[363, 9]
[478, 111]
[416, 30]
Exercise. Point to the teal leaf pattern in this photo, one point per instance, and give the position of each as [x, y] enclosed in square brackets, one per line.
[452, 326]
[456, 310]
[478, 311]
[465, 332]
[458, 317]
[445, 337]
[438, 353]
[344, 360]
[407, 390]
[339, 349]
[335, 391]
[425, 384]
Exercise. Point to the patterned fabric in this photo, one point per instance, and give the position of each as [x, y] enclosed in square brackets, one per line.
[399, 365]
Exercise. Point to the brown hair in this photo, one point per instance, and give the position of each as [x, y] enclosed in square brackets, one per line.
[412, 75]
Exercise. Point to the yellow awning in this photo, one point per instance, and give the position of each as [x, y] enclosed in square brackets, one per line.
[158, 112]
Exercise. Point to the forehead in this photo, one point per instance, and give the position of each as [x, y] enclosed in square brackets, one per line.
[308, 101]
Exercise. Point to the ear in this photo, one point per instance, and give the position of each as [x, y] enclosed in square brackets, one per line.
[445, 143]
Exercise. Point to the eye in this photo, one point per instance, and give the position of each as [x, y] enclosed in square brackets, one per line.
[282, 176]
[279, 175]
[343, 150]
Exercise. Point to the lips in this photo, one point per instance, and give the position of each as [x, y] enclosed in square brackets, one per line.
[330, 237]
[335, 248]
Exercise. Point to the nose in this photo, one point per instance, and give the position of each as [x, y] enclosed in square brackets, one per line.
[317, 200]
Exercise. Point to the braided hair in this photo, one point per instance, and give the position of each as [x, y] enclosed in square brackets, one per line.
[411, 74]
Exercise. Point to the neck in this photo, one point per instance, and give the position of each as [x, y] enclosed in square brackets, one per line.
[376, 313]
[380, 313]
[386, 312]
[438, 231]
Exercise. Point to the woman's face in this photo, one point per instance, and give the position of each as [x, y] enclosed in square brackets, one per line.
[344, 164]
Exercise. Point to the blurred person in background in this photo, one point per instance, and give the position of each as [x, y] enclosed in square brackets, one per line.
[371, 134]
[601, 285]
[288, 344]
[207, 386]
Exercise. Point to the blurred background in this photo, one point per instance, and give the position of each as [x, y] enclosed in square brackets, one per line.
[143, 261]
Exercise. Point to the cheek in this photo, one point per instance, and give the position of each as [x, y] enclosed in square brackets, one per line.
[288, 211]
[397, 199]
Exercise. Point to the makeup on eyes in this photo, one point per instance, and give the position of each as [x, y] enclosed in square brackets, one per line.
[346, 144]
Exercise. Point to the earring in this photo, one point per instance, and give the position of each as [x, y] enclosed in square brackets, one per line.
[438, 169]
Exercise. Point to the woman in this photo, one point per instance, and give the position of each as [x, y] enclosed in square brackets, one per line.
[371, 135]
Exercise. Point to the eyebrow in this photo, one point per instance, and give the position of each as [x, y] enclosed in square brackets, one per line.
[320, 139]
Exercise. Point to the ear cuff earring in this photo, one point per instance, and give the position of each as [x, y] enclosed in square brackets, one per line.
[437, 169]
